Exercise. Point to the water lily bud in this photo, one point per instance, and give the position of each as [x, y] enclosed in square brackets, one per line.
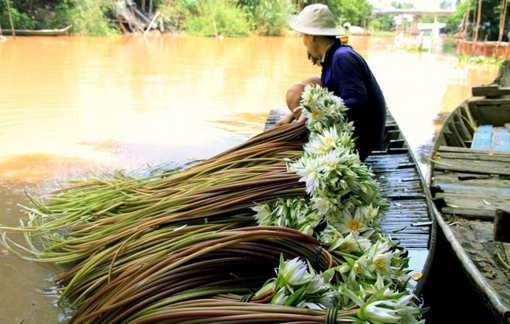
[373, 312]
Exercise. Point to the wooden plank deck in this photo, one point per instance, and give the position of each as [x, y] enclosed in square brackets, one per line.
[472, 183]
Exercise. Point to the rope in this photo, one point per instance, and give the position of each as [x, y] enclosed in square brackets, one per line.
[331, 315]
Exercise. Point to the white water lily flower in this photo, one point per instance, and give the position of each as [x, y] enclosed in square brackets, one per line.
[329, 299]
[316, 284]
[409, 314]
[310, 174]
[377, 312]
[363, 267]
[305, 304]
[263, 215]
[322, 205]
[266, 289]
[280, 298]
[348, 223]
[295, 272]
[329, 138]
[382, 262]
[352, 243]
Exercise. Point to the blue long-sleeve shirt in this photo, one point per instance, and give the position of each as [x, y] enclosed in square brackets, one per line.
[346, 74]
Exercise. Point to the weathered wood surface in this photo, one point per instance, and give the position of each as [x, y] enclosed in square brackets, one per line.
[502, 225]
[490, 111]
[500, 139]
[491, 90]
[474, 156]
[471, 151]
[469, 179]
[476, 239]
[483, 138]
[473, 166]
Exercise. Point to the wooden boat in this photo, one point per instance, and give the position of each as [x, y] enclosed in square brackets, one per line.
[42, 32]
[409, 218]
[470, 185]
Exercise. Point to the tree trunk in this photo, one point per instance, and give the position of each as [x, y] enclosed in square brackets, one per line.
[143, 5]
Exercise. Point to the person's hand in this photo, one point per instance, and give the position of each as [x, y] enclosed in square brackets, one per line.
[285, 120]
[298, 114]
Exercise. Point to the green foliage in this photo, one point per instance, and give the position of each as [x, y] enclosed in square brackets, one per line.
[479, 60]
[19, 19]
[385, 23]
[489, 21]
[219, 17]
[267, 17]
[88, 17]
[350, 11]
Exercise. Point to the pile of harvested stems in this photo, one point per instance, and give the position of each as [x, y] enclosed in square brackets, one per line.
[183, 246]
[94, 214]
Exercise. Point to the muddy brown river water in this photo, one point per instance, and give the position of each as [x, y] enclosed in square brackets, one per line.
[70, 105]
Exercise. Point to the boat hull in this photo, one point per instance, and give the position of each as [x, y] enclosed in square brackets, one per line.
[469, 181]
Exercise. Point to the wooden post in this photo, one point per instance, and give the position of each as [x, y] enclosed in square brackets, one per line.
[213, 20]
[502, 17]
[502, 226]
[478, 22]
[10, 18]
[467, 20]
[150, 6]
[134, 17]
[143, 5]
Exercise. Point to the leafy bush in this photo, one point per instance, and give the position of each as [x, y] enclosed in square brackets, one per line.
[217, 17]
[267, 17]
[89, 17]
[19, 19]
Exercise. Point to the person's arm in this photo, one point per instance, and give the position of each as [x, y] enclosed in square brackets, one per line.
[351, 82]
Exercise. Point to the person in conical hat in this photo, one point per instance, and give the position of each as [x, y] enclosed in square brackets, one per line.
[344, 72]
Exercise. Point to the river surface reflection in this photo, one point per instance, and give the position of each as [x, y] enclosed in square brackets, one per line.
[70, 105]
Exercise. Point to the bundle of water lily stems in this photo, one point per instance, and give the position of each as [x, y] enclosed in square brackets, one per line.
[184, 246]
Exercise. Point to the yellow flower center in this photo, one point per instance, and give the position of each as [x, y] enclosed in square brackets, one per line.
[329, 141]
[355, 226]
[379, 265]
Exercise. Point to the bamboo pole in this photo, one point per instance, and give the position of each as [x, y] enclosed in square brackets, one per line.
[478, 22]
[502, 18]
[2, 38]
[150, 25]
[10, 18]
[467, 20]
[214, 21]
